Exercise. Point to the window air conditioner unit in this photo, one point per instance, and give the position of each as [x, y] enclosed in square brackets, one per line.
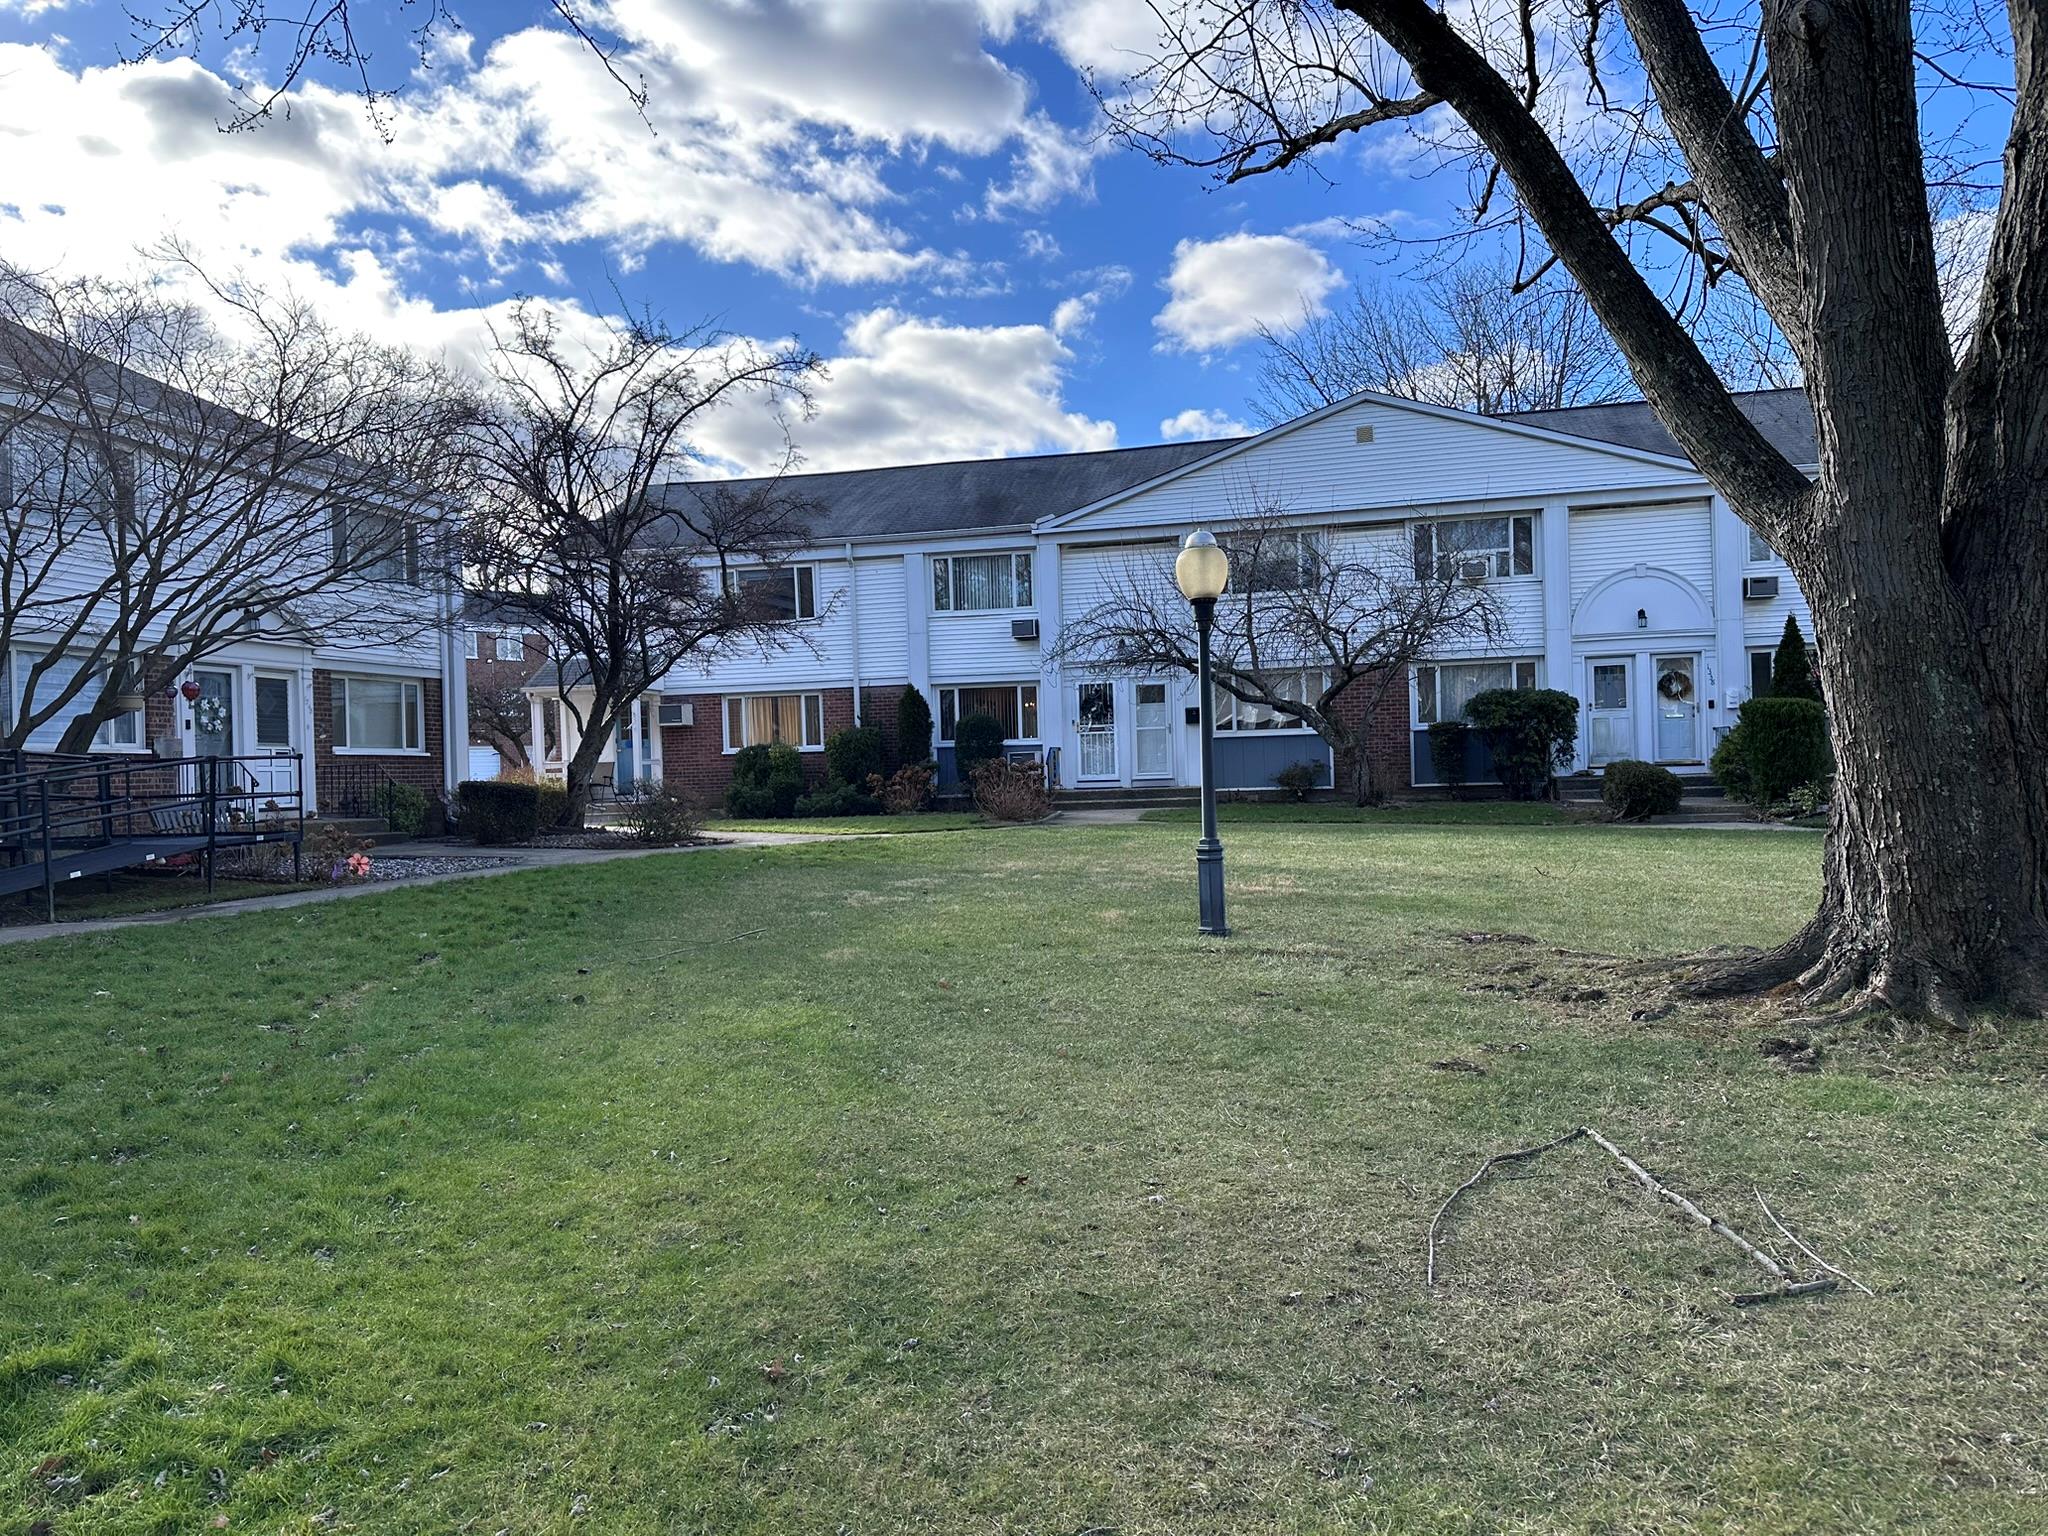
[1475, 570]
[677, 712]
[1759, 588]
[1023, 629]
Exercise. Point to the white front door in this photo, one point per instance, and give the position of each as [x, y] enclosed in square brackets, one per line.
[1095, 730]
[1151, 732]
[1678, 708]
[1612, 734]
[277, 721]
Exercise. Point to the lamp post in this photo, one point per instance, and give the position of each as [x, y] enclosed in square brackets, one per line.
[1202, 571]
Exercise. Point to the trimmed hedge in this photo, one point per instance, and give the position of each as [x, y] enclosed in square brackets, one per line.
[1776, 746]
[836, 797]
[1531, 733]
[854, 755]
[554, 801]
[766, 781]
[913, 728]
[1447, 743]
[977, 739]
[498, 810]
[403, 807]
[1633, 790]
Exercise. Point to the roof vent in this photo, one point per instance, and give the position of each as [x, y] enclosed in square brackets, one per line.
[1362, 435]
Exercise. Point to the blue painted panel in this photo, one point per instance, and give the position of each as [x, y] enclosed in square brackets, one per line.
[947, 777]
[1478, 761]
[1249, 761]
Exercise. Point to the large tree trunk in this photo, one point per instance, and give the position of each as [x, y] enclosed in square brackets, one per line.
[1935, 882]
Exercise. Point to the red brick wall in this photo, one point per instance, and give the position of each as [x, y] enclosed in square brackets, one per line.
[1387, 750]
[693, 759]
[878, 707]
[335, 773]
[485, 676]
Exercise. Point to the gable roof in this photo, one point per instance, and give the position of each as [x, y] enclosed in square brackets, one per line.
[963, 495]
[1782, 415]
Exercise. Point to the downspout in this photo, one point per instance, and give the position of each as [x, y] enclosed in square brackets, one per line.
[853, 619]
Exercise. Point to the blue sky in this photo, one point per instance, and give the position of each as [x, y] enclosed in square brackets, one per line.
[913, 187]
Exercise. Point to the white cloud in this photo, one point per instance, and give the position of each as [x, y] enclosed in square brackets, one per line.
[1052, 164]
[1222, 291]
[906, 390]
[1038, 245]
[1197, 423]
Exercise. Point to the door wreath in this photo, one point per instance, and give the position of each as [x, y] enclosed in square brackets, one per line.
[211, 716]
[1675, 684]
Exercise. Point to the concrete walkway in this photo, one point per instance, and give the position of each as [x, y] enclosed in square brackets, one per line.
[447, 853]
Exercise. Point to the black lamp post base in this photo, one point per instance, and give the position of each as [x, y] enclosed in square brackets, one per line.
[1209, 881]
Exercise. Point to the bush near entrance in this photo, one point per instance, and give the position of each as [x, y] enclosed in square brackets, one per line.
[1777, 745]
[977, 739]
[1530, 732]
[1632, 790]
[766, 781]
[498, 810]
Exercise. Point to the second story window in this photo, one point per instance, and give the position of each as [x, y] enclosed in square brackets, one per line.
[981, 583]
[780, 593]
[376, 546]
[1475, 547]
[1289, 560]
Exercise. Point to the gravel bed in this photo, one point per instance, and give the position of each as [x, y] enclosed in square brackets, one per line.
[410, 868]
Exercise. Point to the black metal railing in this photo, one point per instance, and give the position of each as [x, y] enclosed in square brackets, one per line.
[354, 788]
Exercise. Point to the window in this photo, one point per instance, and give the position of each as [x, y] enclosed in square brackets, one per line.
[121, 732]
[55, 474]
[980, 583]
[470, 640]
[1760, 663]
[783, 593]
[1760, 549]
[1284, 561]
[1015, 705]
[1478, 547]
[759, 719]
[1442, 691]
[274, 712]
[376, 714]
[1235, 714]
[376, 546]
[511, 647]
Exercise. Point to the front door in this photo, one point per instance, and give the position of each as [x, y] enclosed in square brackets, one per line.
[1095, 730]
[1612, 735]
[1678, 709]
[1151, 732]
[213, 714]
[277, 733]
[622, 780]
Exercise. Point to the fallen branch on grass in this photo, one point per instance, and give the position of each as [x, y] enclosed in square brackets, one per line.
[1793, 1238]
[1785, 1285]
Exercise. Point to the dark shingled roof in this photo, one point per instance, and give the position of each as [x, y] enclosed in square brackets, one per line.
[976, 495]
[966, 495]
[1782, 415]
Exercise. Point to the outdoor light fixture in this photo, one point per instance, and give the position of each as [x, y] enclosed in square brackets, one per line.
[1202, 571]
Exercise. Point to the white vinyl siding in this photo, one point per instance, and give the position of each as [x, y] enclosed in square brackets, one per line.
[1609, 541]
[377, 714]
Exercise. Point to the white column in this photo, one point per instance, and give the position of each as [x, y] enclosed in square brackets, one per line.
[917, 607]
[853, 628]
[639, 740]
[1730, 678]
[1559, 671]
[1046, 561]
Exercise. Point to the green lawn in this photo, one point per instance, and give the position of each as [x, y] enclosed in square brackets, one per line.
[924, 821]
[130, 891]
[976, 1193]
[1441, 813]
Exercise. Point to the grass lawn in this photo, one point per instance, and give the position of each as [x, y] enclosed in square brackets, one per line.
[924, 821]
[1438, 813]
[977, 1194]
[136, 892]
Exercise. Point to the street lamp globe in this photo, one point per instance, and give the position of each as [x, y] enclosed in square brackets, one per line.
[1202, 570]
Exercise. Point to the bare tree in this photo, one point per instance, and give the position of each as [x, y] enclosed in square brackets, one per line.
[1349, 610]
[170, 490]
[1460, 337]
[499, 717]
[1655, 156]
[575, 520]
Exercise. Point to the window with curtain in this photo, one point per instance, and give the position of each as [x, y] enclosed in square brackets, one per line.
[1303, 686]
[1479, 547]
[511, 647]
[980, 583]
[1015, 705]
[376, 546]
[764, 719]
[783, 593]
[1443, 691]
[123, 731]
[376, 714]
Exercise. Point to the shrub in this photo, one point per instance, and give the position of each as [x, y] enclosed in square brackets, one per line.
[913, 727]
[1633, 790]
[1530, 732]
[1006, 791]
[1299, 778]
[336, 854]
[854, 756]
[1447, 749]
[403, 807]
[977, 739]
[664, 817]
[766, 781]
[498, 811]
[554, 801]
[1791, 668]
[1777, 745]
[906, 790]
[835, 797]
